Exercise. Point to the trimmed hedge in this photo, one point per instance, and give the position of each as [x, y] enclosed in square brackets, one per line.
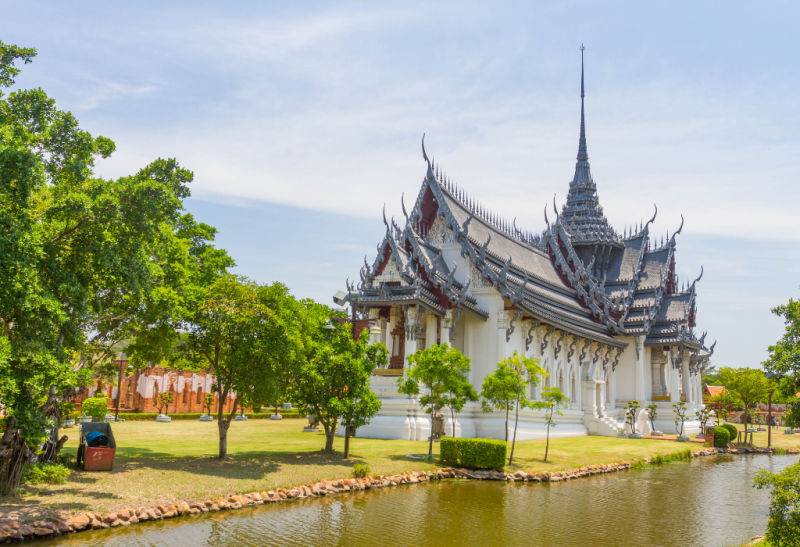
[733, 432]
[721, 436]
[473, 453]
[148, 416]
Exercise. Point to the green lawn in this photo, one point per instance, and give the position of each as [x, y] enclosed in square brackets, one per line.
[159, 463]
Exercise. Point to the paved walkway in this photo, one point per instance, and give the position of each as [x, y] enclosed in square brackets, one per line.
[672, 438]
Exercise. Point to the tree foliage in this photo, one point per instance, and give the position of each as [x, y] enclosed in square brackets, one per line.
[747, 386]
[784, 361]
[552, 400]
[441, 370]
[86, 262]
[246, 335]
[783, 527]
[509, 387]
[331, 377]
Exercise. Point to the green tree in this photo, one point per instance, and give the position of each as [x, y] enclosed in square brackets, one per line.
[509, 387]
[680, 416]
[208, 402]
[439, 369]
[783, 527]
[163, 401]
[246, 335]
[552, 399]
[85, 261]
[652, 414]
[630, 414]
[784, 360]
[333, 373]
[747, 386]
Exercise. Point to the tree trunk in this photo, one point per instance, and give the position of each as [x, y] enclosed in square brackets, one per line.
[547, 445]
[330, 434]
[453, 418]
[506, 421]
[346, 442]
[224, 423]
[430, 439]
[516, 421]
[14, 456]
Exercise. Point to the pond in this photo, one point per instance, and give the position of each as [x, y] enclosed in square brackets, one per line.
[706, 502]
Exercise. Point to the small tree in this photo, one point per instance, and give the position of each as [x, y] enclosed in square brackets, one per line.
[459, 391]
[748, 386]
[164, 400]
[722, 402]
[680, 416]
[437, 369]
[704, 414]
[362, 404]
[783, 527]
[333, 374]
[630, 414]
[552, 398]
[505, 387]
[652, 414]
[208, 402]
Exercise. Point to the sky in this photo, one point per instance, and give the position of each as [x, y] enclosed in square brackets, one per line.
[300, 120]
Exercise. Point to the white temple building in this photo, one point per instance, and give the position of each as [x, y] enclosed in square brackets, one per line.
[602, 310]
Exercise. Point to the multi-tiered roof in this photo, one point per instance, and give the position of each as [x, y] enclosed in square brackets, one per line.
[579, 276]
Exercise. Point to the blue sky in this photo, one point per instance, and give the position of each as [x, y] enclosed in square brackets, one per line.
[301, 119]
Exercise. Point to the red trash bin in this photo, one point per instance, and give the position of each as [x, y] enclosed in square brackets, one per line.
[97, 458]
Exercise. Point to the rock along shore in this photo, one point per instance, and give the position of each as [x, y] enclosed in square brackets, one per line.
[125, 517]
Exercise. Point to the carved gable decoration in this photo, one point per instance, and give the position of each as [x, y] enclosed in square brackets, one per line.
[390, 272]
[440, 233]
[478, 279]
[657, 356]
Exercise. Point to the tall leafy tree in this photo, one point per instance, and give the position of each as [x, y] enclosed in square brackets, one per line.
[552, 400]
[508, 387]
[441, 370]
[246, 335]
[332, 375]
[85, 260]
[747, 386]
[784, 360]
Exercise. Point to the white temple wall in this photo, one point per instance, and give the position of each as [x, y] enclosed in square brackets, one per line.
[484, 340]
[627, 373]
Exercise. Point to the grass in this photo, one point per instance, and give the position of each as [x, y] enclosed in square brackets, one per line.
[160, 463]
[779, 438]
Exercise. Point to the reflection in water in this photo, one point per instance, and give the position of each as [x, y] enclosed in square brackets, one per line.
[707, 502]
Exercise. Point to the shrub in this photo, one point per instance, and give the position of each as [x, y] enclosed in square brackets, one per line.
[733, 433]
[95, 407]
[474, 453]
[721, 436]
[360, 470]
[783, 527]
[45, 472]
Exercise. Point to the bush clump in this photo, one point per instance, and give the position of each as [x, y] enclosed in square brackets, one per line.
[95, 407]
[733, 432]
[45, 472]
[360, 470]
[721, 436]
[474, 453]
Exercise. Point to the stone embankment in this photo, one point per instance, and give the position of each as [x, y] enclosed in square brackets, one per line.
[126, 517]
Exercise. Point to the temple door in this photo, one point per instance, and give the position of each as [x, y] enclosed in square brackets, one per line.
[398, 346]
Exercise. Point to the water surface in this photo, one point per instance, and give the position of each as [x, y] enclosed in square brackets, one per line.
[706, 502]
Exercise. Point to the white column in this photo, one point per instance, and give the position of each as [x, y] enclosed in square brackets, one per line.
[639, 392]
[444, 336]
[430, 330]
[674, 384]
[502, 325]
[612, 387]
[687, 391]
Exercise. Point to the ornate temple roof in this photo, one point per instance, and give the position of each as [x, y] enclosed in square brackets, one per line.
[580, 275]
